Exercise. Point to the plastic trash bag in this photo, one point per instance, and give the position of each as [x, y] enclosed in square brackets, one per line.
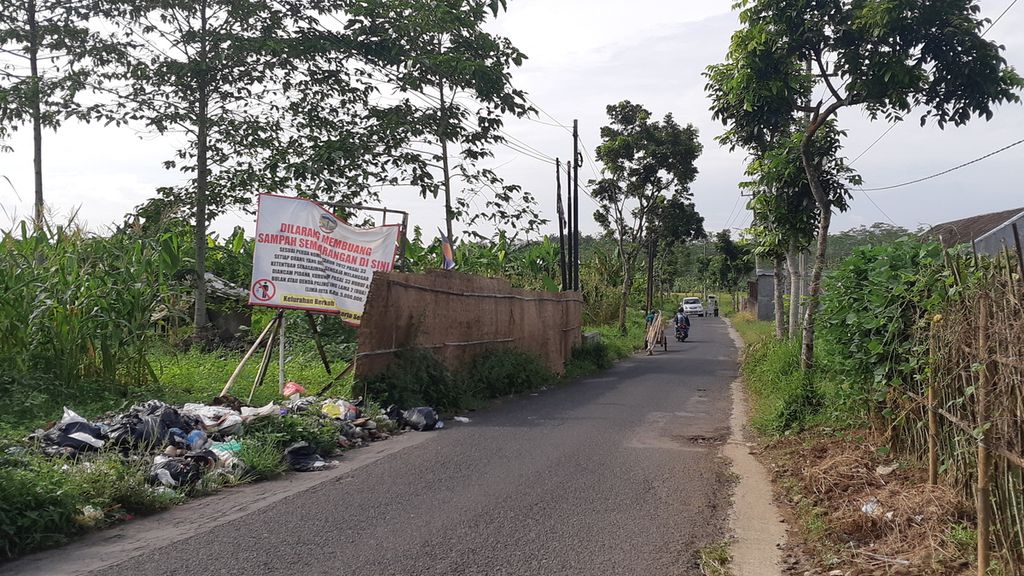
[340, 409]
[71, 436]
[420, 419]
[183, 471]
[215, 419]
[291, 389]
[151, 424]
[249, 414]
[302, 457]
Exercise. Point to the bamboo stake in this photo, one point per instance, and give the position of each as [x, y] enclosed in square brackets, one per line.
[264, 364]
[238, 370]
[319, 344]
[281, 355]
[1020, 251]
[933, 418]
[983, 489]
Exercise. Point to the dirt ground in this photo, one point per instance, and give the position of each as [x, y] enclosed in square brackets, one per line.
[854, 511]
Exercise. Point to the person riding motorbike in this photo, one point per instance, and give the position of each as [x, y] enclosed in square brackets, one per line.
[682, 322]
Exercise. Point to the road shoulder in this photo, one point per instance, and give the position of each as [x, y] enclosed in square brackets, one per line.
[756, 524]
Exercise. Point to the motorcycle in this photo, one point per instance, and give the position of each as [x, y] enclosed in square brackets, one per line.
[682, 332]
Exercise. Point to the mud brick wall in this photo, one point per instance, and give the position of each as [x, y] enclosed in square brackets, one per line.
[459, 316]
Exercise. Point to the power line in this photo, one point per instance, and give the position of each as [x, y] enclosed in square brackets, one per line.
[875, 204]
[998, 18]
[944, 172]
[732, 212]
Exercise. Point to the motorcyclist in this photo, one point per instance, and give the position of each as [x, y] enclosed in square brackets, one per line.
[682, 319]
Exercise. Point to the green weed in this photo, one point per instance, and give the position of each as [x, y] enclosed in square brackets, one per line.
[714, 559]
[262, 456]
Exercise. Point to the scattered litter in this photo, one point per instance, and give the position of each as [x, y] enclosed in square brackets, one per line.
[197, 440]
[291, 389]
[461, 419]
[885, 470]
[215, 419]
[89, 516]
[439, 425]
[249, 414]
[420, 419]
[340, 409]
[871, 507]
[302, 457]
[69, 436]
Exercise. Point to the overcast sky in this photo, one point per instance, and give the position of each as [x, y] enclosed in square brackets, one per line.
[584, 55]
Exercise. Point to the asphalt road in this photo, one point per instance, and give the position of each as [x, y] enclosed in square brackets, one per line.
[614, 475]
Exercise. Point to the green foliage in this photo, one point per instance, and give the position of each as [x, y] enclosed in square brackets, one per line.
[35, 510]
[872, 304]
[42, 501]
[589, 358]
[783, 398]
[644, 160]
[504, 372]
[416, 377]
[461, 75]
[320, 433]
[262, 456]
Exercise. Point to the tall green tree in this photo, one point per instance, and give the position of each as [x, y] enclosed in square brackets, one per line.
[49, 55]
[785, 213]
[644, 160]
[454, 84]
[673, 220]
[886, 58]
[261, 98]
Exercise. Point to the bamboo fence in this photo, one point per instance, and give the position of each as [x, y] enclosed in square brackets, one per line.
[967, 414]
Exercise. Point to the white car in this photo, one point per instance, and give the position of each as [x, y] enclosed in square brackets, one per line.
[693, 307]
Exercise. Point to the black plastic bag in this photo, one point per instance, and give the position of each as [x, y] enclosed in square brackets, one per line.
[302, 457]
[420, 419]
[150, 424]
[70, 438]
[184, 471]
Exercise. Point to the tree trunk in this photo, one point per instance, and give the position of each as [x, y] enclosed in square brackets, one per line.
[443, 137]
[651, 253]
[793, 262]
[37, 116]
[202, 175]
[824, 219]
[780, 285]
[627, 287]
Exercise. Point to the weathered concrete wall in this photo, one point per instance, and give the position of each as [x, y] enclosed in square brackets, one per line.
[459, 316]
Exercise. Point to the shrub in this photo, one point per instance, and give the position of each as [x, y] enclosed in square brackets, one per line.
[784, 399]
[589, 358]
[35, 510]
[262, 456]
[319, 433]
[416, 377]
[503, 372]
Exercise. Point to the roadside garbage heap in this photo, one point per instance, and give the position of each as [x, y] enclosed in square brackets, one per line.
[192, 441]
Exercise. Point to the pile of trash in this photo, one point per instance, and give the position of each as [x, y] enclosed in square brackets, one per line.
[190, 441]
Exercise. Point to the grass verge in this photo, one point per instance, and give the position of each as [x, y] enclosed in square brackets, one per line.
[714, 559]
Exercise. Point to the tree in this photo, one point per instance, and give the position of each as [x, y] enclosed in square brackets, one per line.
[732, 264]
[785, 213]
[672, 220]
[891, 57]
[454, 82]
[262, 98]
[643, 160]
[51, 56]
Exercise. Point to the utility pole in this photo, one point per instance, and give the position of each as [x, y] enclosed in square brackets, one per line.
[576, 163]
[570, 236]
[561, 225]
